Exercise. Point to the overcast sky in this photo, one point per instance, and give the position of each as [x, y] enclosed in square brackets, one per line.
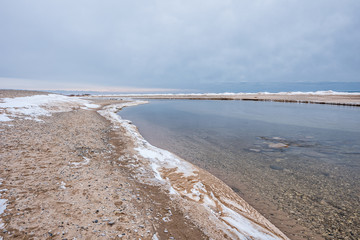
[176, 44]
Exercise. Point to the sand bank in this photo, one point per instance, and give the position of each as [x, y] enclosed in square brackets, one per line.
[72, 168]
[327, 97]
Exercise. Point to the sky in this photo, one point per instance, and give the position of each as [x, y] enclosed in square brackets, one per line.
[177, 45]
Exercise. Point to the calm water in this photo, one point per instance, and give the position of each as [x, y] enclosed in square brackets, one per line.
[298, 164]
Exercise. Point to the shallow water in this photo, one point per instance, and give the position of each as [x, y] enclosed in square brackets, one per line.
[298, 164]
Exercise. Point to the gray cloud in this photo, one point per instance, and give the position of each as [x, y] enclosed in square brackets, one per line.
[180, 44]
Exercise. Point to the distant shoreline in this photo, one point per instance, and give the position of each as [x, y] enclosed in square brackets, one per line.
[318, 97]
[332, 98]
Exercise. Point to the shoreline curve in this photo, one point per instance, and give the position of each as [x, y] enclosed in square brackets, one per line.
[190, 187]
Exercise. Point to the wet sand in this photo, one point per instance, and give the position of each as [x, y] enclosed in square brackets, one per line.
[75, 174]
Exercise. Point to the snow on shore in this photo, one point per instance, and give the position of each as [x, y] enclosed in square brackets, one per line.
[2, 205]
[182, 180]
[316, 93]
[33, 107]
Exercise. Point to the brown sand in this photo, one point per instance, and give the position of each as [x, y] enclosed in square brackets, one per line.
[64, 181]
[53, 193]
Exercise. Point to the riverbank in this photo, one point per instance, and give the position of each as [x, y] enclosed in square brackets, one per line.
[73, 169]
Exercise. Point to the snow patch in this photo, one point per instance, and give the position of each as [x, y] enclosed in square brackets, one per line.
[242, 226]
[4, 118]
[329, 92]
[172, 191]
[196, 192]
[35, 106]
[161, 158]
[155, 237]
[2, 205]
[63, 185]
[85, 162]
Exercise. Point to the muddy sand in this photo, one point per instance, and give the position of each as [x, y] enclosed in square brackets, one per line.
[71, 169]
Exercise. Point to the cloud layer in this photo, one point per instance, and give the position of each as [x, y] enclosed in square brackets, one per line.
[180, 44]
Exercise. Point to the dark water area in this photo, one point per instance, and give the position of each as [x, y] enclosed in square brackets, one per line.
[298, 164]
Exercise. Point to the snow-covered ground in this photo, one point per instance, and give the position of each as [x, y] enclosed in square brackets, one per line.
[33, 107]
[320, 93]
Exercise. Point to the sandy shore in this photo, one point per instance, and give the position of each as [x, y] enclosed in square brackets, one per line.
[72, 169]
[316, 97]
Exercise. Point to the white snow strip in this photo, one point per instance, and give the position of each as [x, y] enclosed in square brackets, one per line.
[329, 92]
[162, 158]
[2, 205]
[172, 191]
[159, 158]
[243, 227]
[230, 221]
[35, 106]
